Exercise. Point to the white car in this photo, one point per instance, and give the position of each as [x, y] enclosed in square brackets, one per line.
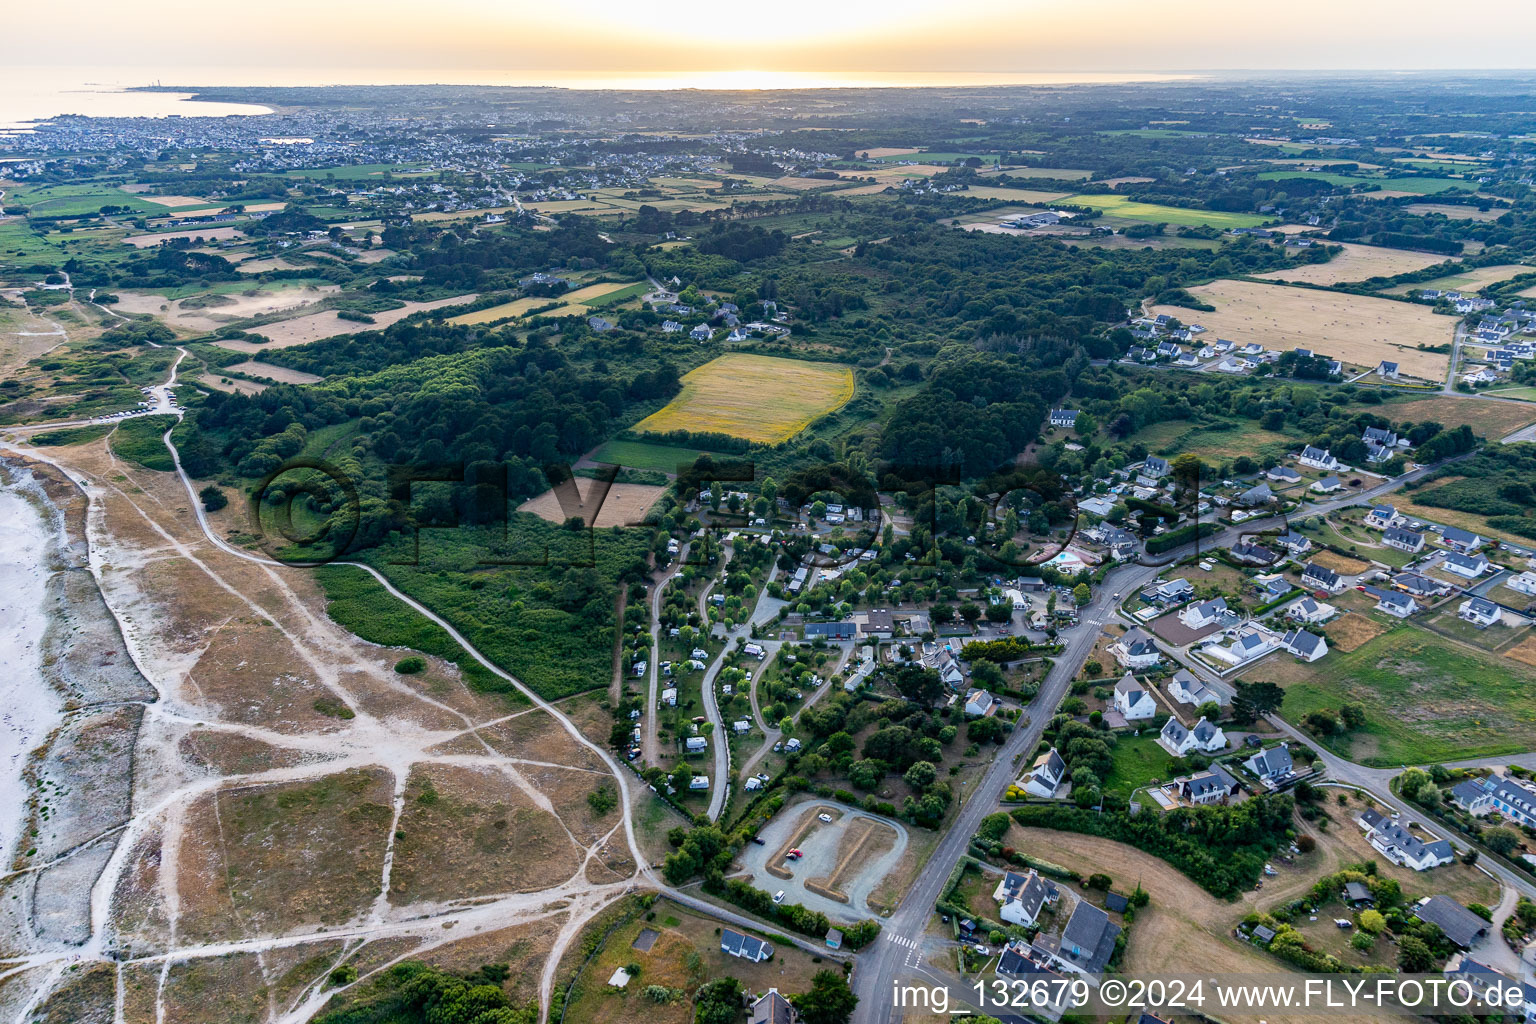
[824, 817]
[778, 897]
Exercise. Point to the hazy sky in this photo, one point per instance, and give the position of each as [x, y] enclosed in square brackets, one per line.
[327, 38]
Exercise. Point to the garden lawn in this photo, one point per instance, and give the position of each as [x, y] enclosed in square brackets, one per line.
[1139, 761]
[1426, 698]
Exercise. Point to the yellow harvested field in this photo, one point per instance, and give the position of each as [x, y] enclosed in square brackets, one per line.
[281, 374]
[1470, 280]
[880, 152]
[462, 214]
[209, 313]
[596, 291]
[624, 505]
[504, 311]
[1490, 419]
[805, 184]
[302, 330]
[1455, 211]
[1015, 195]
[231, 385]
[177, 201]
[760, 398]
[209, 234]
[1356, 329]
[1356, 263]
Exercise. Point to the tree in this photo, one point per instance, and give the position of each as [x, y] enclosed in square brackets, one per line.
[1353, 716]
[1413, 780]
[212, 498]
[1081, 594]
[921, 775]
[1372, 922]
[718, 1002]
[918, 684]
[970, 612]
[1501, 840]
[829, 1001]
[1255, 700]
[1414, 956]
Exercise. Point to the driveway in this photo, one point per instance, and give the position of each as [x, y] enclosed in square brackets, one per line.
[823, 848]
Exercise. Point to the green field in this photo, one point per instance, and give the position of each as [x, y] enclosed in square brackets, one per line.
[614, 298]
[76, 200]
[1152, 133]
[643, 455]
[1523, 394]
[17, 241]
[1426, 698]
[1125, 209]
[358, 172]
[141, 440]
[1423, 186]
[1139, 761]
[934, 158]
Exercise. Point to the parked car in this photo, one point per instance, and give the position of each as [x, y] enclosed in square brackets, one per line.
[778, 897]
[824, 817]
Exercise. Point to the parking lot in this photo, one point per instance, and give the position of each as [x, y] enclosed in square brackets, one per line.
[824, 847]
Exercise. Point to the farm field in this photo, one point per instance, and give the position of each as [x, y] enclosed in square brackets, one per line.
[1352, 328]
[1468, 280]
[1402, 186]
[1020, 195]
[505, 311]
[1455, 211]
[642, 455]
[1525, 394]
[624, 505]
[210, 234]
[1489, 419]
[1356, 263]
[760, 398]
[1426, 698]
[230, 385]
[1121, 210]
[304, 329]
[1216, 440]
[209, 311]
[281, 374]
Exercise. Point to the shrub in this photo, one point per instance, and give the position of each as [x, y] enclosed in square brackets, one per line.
[411, 666]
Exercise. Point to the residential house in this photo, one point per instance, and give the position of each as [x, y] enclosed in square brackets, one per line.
[1021, 898]
[1462, 927]
[1254, 554]
[701, 333]
[1387, 369]
[1309, 611]
[1401, 847]
[1320, 577]
[1208, 787]
[597, 323]
[1258, 494]
[1495, 988]
[1283, 475]
[772, 1008]
[1174, 591]
[1376, 453]
[1205, 738]
[1460, 540]
[1133, 700]
[1515, 800]
[1186, 688]
[672, 327]
[1087, 942]
[1393, 602]
[1063, 417]
[1479, 611]
[1274, 766]
[1525, 583]
[1294, 543]
[1379, 435]
[1155, 467]
[1045, 776]
[830, 630]
[979, 703]
[1136, 649]
[1306, 646]
[1382, 516]
[747, 947]
[1475, 796]
[1248, 645]
[1466, 566]
[1319, 458]
[1411, 541]
[1419, 586]
[1200, 614]
[1326, 485]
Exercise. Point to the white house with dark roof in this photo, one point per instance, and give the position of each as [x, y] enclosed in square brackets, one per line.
[1208, 787]
[1466, 566]
[1205, 738]
[1387, 369]
[1460, 540]
[1200, 614]
[1480, 611]
[1320, 577]
[1021, 898]
[1086, 943]
[1294, 543]
[1134, 700]
[1399, 846]
[1309, 610]
[1326, 485]
[1274, 766]
[1393, 602]
[1411, 541]
[1154, 467]
[1475, 796]
[1136, 649]
[1382, 516]
[747, 947]
[1419, 586]
[1319, 458]
[1045, 776]
[1306, 646]
[1186, 688]
[1379, 435]
[1063, 417]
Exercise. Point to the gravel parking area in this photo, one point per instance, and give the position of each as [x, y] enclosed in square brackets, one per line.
[823, 847]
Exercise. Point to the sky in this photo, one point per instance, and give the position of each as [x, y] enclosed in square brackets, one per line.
[403, 40]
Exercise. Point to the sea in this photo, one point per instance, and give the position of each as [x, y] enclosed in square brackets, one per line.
[32, 94]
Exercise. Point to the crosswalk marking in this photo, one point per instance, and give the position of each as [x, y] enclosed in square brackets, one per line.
[901, 940]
